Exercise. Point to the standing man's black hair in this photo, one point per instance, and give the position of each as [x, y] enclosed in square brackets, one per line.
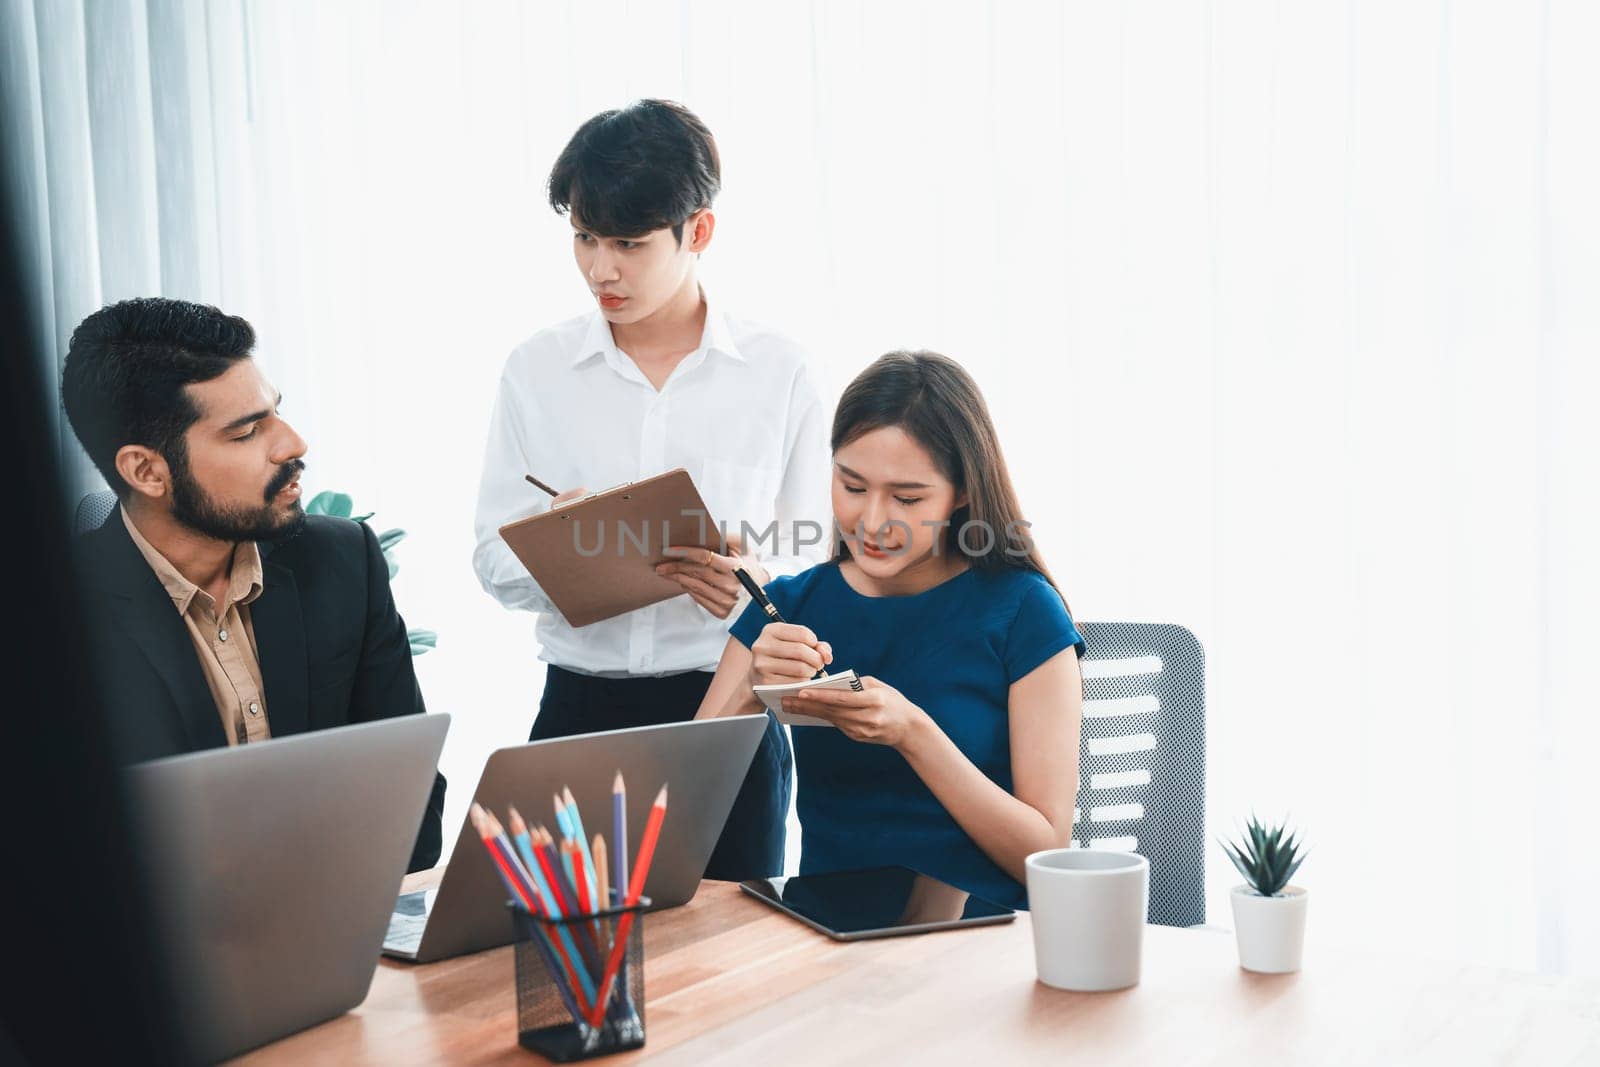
[644, 167]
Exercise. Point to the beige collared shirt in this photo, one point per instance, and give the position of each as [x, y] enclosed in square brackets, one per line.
[224, 641]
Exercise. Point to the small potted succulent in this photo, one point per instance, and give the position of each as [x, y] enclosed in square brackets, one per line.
[1269, 914]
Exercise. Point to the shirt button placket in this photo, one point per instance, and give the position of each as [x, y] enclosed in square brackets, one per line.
[652, 460]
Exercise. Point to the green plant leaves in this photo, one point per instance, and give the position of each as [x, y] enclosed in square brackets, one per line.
[339, 505]
[422, 640]
[1239, 861]
[1265, 857]
[327, 502]
[387, 540]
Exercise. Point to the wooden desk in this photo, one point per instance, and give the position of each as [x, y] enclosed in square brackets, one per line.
[728, 980]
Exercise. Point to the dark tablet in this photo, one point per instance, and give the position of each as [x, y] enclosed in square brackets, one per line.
[879, 902]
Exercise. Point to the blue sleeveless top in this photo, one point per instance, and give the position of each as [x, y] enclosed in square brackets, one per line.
[954, 651]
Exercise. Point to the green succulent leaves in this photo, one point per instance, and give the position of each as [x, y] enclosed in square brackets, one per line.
[1267, 856]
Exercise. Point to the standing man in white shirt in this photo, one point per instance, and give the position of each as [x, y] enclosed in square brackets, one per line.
[656, 378]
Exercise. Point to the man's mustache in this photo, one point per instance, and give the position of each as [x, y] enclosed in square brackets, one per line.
[286, 474]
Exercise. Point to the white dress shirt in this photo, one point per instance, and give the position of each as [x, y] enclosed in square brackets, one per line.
[740, 413]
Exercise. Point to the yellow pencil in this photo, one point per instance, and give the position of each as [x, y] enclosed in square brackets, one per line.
[601, 880]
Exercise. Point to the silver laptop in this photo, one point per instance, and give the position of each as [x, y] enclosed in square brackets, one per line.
[274, 868]
[703, 763]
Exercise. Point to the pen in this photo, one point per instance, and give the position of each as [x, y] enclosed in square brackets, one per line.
[760, 597]
[538, 484]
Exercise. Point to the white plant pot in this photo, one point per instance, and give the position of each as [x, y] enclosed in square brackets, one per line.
[1271, 930]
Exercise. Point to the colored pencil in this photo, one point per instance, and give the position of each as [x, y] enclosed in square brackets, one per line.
[619, 834]
[647, 847]
[580, 835]
[586, 905]
[567, 852]
[560, 960]
[551, 907]
[523, 839]
[554, 870]
[602, 880]
[563, 820]
[517, 890]
[498, 833]
[581, 877]
[641, 871]
[555, 903]
[505, 865]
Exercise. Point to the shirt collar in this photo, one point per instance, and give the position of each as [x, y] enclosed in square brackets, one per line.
[244, 576]
[716, 337]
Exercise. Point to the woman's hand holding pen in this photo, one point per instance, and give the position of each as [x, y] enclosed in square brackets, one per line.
[708, 577]
[786, 652]
[879, 715]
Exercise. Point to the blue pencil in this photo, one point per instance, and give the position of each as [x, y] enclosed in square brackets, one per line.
[552, 902]
[560, 878]
[563, 820]
[520, 885]
[582, 837]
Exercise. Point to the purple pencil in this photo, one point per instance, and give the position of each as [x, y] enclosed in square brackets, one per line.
[619, 834]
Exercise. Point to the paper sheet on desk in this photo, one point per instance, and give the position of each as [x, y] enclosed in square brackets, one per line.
[772, 696]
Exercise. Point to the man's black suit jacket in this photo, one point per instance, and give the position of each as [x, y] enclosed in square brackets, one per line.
[332, 648]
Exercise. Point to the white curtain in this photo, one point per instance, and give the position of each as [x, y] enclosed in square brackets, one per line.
[1285, 313]
[114, 130]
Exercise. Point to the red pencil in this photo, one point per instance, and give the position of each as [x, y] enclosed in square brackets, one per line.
[551, 866]
[641, 868]
[506, 864]
[647, 847]
[514, 884]
[580, 878]
[556, 875]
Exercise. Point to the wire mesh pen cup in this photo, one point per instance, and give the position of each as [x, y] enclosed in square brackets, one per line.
[560, 965]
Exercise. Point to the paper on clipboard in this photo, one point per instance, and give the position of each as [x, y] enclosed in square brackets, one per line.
[772, 696]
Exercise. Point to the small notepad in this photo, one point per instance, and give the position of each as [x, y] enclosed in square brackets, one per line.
[772, 695]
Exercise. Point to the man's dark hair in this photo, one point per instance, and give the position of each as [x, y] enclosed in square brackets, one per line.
[126, 370]
[645, 167]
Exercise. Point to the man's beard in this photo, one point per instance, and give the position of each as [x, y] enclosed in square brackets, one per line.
[193, 508]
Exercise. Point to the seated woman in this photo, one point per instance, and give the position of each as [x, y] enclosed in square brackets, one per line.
[960, 755]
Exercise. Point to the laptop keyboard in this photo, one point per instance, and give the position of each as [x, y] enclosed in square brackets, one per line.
[409, 919]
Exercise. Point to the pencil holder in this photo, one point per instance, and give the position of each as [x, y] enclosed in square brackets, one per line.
[561, 966]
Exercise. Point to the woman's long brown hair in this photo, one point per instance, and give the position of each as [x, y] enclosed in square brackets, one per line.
[936, 402]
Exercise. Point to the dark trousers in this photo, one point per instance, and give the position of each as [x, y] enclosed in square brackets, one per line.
[751, 845]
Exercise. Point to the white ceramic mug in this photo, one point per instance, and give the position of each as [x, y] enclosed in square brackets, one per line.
[1088, 911]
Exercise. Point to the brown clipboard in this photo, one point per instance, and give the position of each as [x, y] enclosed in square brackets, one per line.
[595, 558]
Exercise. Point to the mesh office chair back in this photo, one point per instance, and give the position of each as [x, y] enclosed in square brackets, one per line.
[93, 510]
[1142, 778]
